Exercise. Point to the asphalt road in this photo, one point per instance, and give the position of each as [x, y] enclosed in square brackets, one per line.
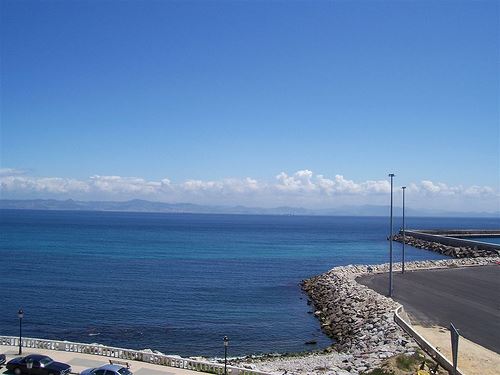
[468, 296]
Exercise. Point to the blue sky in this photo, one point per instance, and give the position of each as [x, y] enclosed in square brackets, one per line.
[218, 90]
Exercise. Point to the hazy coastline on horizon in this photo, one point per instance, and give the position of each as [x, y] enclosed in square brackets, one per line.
[140, 205]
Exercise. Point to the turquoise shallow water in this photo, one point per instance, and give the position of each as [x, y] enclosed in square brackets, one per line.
[178, 283]
[495, 240]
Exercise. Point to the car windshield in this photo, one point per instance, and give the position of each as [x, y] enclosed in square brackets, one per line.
[124, 371]
[45, 361]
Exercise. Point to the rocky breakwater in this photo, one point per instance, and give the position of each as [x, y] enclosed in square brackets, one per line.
[360, 320]
[452, 251]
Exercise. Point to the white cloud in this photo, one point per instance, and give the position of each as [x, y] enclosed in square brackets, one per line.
[129, 185]
[429, 186]
[439, 187]
[17, 181]
[300, 188]
[225, 187]
[10, 172]
[306, 181]
[478, 191]
[299, 181]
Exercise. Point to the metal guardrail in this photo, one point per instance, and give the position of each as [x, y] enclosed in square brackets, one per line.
[127, 354]
[423, 343]
[461, 232]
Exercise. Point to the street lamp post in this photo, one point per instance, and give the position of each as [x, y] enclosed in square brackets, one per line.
[391, 175]
[20, 315]
[226, 344]
[404, 229]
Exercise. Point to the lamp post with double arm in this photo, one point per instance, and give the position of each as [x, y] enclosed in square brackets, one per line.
[20, 315]
[226, 344]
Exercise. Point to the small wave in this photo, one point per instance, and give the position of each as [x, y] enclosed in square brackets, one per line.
[94, 334]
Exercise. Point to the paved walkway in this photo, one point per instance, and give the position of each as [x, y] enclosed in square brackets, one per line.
[467, 296]
[80, 362]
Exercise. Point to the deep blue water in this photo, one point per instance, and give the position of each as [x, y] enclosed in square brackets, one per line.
[179, 282]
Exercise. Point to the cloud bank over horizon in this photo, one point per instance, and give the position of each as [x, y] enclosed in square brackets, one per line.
[302, 188]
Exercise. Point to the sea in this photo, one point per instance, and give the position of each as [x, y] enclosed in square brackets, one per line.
[179, 283]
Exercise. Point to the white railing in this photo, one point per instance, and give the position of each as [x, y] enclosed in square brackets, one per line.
[127, 354]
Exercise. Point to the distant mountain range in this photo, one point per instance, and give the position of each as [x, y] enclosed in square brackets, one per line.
[138, 205]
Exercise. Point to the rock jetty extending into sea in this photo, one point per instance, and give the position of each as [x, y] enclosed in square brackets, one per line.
[360, 320]
[452, 251]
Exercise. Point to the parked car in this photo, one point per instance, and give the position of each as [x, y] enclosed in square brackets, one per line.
[107, 370]
[36, 364]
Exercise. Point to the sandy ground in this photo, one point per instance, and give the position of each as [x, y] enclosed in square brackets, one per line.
[80, 362]
[473, 359]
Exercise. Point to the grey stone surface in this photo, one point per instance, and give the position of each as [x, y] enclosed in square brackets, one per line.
[144, 371]
[83, 362]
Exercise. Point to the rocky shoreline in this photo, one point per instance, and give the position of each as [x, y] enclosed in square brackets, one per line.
[452, 251]
[360, 320]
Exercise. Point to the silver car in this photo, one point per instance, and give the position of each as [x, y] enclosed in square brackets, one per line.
[107, 370]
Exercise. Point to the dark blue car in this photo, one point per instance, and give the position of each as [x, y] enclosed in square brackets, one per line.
[36, 364]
